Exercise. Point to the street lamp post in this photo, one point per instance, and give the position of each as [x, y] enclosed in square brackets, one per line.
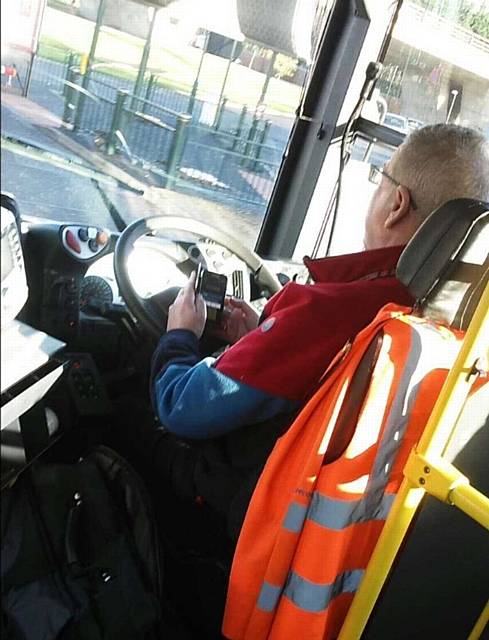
[144, 61]
[454, 94]
[195, 86]
[264, 88]
[220, 99]
[91, 56]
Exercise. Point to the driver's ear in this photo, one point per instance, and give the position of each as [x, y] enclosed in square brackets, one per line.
[401, 206]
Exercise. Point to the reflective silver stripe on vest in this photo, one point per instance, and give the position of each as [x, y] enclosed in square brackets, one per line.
[314, 597]
[396, 422]
[268, 598]
[338, 514]
[334, 513]
[295, 517]
[429, 351]
[374, 504]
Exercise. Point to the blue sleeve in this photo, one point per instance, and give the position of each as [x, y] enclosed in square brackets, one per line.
[194, 400]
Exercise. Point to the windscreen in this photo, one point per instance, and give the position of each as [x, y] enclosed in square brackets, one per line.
[192, 100]
[435, 70]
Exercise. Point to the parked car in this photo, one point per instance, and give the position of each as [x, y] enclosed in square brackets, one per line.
[413, 124]
[394, 121]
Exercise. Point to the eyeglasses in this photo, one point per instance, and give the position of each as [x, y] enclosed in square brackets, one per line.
[375, 176]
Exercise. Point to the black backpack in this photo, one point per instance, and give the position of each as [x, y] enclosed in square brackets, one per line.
[80, 553]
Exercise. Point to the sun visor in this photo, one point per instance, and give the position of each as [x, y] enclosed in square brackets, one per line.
[286, 26]
[283, 25]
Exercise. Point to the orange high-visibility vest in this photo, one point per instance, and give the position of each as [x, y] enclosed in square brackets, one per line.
[314, 518]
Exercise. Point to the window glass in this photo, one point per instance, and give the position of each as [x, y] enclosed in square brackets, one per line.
[192, 99]
[437, 66]
[435, 69]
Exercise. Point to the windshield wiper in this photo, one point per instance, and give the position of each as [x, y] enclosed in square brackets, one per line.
[118, 220]
[43, 154]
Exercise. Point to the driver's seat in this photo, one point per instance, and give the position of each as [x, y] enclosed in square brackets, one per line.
[324, 496]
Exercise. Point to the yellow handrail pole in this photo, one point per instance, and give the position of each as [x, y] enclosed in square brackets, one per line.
[397, 523]
[440, 479]
[472, 502]
[481, 624]
[458, 383]
[435, 436]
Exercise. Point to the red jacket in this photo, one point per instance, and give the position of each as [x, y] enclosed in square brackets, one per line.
[306, 325]
[268, 374]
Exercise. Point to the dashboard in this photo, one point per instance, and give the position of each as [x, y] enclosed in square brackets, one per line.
[74, 305]
[156, 264]
[73, 291]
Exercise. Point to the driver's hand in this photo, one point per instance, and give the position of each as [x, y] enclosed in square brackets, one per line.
[188, 311]
[238, 318]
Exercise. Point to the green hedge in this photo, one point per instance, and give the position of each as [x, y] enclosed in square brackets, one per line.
[466, 16]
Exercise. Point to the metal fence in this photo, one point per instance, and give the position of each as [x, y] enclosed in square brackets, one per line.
[96, 110]
[148, 133]
[48, 78]
[169, 98]
[219, 149]
[229, 173]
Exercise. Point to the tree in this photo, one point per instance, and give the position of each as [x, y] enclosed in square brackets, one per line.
[476, 21]
[467, 16]
[284, 66]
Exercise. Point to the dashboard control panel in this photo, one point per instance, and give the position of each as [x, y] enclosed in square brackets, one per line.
[86, 387]
[84, 242]
[60, 311]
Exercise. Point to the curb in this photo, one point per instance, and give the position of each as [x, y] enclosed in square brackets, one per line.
[97, 161]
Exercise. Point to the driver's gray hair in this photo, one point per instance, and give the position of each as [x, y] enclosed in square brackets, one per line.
[443, 161]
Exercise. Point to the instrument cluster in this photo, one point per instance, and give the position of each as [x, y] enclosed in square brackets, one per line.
[157, 264]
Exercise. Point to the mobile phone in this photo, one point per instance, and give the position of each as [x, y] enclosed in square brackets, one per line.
[212, 287]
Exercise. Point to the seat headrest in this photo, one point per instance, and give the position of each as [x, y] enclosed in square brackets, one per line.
[445, 265]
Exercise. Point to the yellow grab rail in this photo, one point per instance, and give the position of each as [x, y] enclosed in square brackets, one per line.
[426, 461]
[481, 624]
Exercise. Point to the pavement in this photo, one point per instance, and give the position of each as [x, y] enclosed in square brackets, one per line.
[22, 118]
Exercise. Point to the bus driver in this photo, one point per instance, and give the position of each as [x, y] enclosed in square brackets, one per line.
[242, 401]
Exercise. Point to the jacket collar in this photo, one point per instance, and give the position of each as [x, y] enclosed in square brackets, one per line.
[354, 266]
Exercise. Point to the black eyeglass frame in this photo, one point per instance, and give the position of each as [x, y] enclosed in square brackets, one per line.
[380, 170]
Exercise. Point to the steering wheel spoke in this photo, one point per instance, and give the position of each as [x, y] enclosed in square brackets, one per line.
[152, 312]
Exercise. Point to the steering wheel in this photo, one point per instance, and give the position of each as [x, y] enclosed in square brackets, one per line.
[152, 312]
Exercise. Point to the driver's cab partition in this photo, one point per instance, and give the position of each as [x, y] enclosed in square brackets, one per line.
[338, 507]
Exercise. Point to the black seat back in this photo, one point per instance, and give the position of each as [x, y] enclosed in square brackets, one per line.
[446, 264]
